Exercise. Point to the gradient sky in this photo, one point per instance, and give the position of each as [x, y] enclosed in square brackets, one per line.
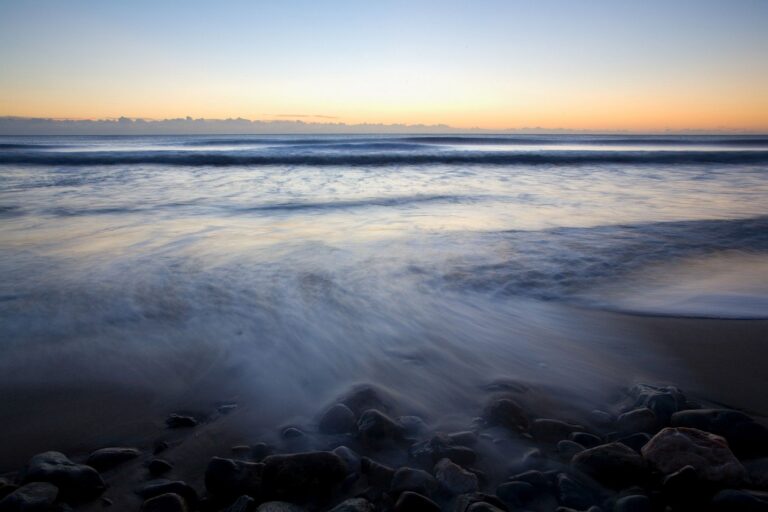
[636, 65]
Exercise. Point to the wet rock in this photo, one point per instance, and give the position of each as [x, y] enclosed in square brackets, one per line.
[757, 469]
[505, 413]
[574, 494]
[230, 478]
[681, 484]
[465, 438]
[302, 476]
[160, 447]
[414, 502]
[516, 494]
[350, 458]
[339, 419]
[413, 426]
[32, 497]
[242, 504]
[634, 503]
[635, 441]
[168, 502]
[158, 487]
[662, 400]
[638, 420]
[226, 408]
[483, 507]
[241, 451]
[107, 458]
[453, 479]
[75, 481]
[159, 467]
[533, 477]
[364, 397]
[732, 500]
[378, 475]
[179, 421]
[415, 480]
[585, 439]
[6, 488]
[552, 431]
[478, 502]
[259, 451]
[567, 449]
[375, 428]
[461, 455]
[674, 448]
[533, 459]
[291, 433]
[354, 505]
[279, 506]
[744, 435]
[612, 464]
[601, 418]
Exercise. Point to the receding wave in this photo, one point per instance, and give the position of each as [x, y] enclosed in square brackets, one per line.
[198, 158]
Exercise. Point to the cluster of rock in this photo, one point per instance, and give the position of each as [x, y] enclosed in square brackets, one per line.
[655, 451]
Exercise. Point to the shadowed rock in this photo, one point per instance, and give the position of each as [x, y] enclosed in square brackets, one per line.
[354, 505]
[302, 476]
[453, 479]
[505, 413]
[75, 481]
[168, 502]
[107, 458]
[339, 419]
[32, 497]
[414, 502]
[744, 435]
[230, 478]
[612, 464]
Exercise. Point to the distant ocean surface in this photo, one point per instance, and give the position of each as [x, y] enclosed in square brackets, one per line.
[323, 257]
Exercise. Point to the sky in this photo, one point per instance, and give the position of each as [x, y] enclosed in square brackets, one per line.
[585, 65]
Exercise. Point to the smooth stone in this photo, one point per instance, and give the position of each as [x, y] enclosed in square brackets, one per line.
[482, 506]
[259, 451]
[161, 486]
[634, 503]
[302, 476]
[478, 501]
[231, 478]
[681, 484]
[364, 397]
[354, 505]
[291, 433]
[75, 481]
[413, 426]
[159, 467]
[350, 458]
[375, 427]
[242, 504]
[744, 435]
[453, 479]
[516, 493]
[505, 413]
[415, 480]
[279, 506]
[461, 455]
[240, 451]
[533, 459]
[107, 458]
[6, 488]
[168, 502]
[638, 420]
[635, 441]
[466, 438]
[338, 419]
[585, 439]
[533, 477]
[568, 449]
[378, 475]
[414, 502]
[572, 493]
[732, 500]
[32, 497]
[179, 421]
[160, 447]
[674, 448]
[226, 408]
[551, 431]
[601, 418]
[612, 464]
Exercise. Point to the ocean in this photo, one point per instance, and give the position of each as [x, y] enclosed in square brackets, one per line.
[153, 273]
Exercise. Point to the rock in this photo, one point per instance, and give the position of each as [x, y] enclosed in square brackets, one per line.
[635, 441]
[612, 464]
[75, 481]
[291, 433]
[226, 408]
[279, 506]
[32, 497]
[168, 502]
[601, 419]
[6, 488]
[107, 458]
[505, 413]
[533, 477]
[483, 507]
[354, 505]
[465, 438]
[567, 449]
[230, 478]
[674, 448]
[571, 493]
[453, 479]
[731, 500]
[259, 451]
[350, 458]
[339, 419]
[681, 484]
[461, 455]
[414, 502]
[585, 439]
[178, 421]
[638, 420]
[516, 493]
[302, 476]
[533, 459]
[416, 480]
[242, 504]
[160, 447]
[662, 400]
[241, 451]
[159, 467]
[478, 501]
[366, 397]
[413, 426]
[158, 487]
[378, 475]
[375, 428]
[634, 503]
[552, 431]
[744, 435]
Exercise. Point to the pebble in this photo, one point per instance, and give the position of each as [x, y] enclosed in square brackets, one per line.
[302, 476]
[161, 486]
[76, 482]
[229, 478]
[506, 413]
[107, 458]
[32, 497]
[354, 505]
[551, 431]
[415, 480]
[568, 449]
[375, 428]
[454, 479]
[516, 493]
[169, 502]
[242, 504]
[339, 419]
[744, 435]
[638, 420]
[414, 502]
[159, 467]
[634, 503]
[179, 421]
[612, 464]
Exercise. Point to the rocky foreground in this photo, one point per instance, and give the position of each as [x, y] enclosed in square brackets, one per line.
[654, 450]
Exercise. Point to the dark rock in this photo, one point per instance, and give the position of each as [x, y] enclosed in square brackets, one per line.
[453, 479]
[378, 475]
[259, 451]
[242, 504]
[533, 477]
[567, 449]
[32, 497]
[178, 421]
[662, 400]
[161, 486]
[375, 428]
[465, 438]
[732, 500]
[414, 502]
[572, 493]
[168, 502]
[516, 494]
[302, 476]
[354, 505]
[6, 488]
[745, 436]
[506, 413]
[415, 480]
[230, 478]
[638, 420]
[634, 503]
[674, 448]
[680, 484]
[366, 397]
[160, 447]
[483, 507]
[279, 506]
[75, 481]
[241, 451]
[585, 439]
[413, 426]
[461, 455]
[159, 467]
[339, 419]
[107, 458]
[552, 431]
[612, 464]
[350, 458]
[635, 441]
[601, 419]
[533, 459]
[291, 433]
[476, 501]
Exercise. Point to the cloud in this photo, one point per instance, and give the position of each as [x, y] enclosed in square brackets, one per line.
[315, 116]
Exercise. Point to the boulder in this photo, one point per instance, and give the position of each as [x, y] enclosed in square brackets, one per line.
[168, 502]
[339, 419]
[32, 497]
[674, 448]
[229, 478]
[505, 413]
[745, 436]
[612, 464]
[375, 427]
[453, 479]
[76, 482]
[302, 476]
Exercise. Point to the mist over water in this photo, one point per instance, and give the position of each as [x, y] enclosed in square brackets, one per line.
[279, 271]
